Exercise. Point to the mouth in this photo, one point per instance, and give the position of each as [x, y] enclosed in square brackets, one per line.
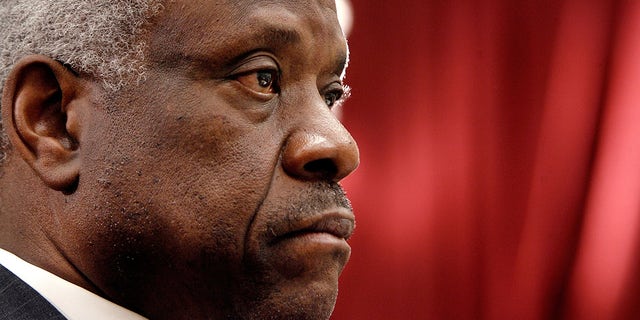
[304, 245]
[331, 226]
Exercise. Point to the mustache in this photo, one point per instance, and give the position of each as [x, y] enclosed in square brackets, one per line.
[321, 197]
[315, 199]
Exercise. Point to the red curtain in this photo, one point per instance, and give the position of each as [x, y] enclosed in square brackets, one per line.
[500, 147]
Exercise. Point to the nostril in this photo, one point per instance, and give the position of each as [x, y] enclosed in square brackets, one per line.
[328, 153]
[323, 168]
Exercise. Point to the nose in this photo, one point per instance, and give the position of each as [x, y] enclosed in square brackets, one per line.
[321, 149]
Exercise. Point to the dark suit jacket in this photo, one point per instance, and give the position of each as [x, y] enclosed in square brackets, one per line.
[18, 301]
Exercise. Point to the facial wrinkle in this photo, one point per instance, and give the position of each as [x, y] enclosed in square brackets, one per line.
[269, 187]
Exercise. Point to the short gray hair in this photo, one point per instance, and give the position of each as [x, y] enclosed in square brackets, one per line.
[97, 37]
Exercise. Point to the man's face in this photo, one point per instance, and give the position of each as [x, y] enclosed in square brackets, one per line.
[211, 188]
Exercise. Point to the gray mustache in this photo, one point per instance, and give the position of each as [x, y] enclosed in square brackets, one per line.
[317, 198]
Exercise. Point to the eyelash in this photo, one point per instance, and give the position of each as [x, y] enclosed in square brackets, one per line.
[341, 95]
[260, 81]
[332, 98]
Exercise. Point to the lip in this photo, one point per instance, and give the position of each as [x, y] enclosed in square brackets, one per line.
[338, 224]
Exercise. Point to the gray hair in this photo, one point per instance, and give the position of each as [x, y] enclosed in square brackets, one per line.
[101, 38]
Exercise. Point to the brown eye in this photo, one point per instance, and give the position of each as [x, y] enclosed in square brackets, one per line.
[262, 81]
[330, 98]
[337, 95]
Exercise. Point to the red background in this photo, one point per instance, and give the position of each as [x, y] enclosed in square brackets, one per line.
[500, 149]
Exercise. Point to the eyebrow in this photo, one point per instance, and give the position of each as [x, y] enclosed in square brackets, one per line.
[277, 37]
[270, 37]
[342, 61]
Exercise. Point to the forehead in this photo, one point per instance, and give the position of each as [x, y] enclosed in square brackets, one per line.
[201, 28]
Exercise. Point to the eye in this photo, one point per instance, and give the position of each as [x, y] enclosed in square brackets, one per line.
[330, 98]
[337, 96]
[261, 81]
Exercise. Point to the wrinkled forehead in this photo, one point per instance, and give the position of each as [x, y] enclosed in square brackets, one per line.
[200, 26]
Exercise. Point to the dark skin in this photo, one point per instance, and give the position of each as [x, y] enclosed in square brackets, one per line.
[209, 190]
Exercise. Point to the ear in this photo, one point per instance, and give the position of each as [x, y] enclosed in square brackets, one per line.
[40, 116]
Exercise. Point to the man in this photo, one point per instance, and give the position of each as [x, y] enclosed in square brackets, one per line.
[179, 159]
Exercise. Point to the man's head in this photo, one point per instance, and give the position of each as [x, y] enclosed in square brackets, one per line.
[195, 177]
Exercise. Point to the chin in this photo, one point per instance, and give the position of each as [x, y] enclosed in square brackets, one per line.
[314, 301]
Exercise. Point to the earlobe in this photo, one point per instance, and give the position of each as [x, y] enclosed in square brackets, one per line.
[39, 110]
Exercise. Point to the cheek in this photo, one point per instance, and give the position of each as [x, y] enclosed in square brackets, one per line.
[216, 160]
[207, 174]
[181, 182]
